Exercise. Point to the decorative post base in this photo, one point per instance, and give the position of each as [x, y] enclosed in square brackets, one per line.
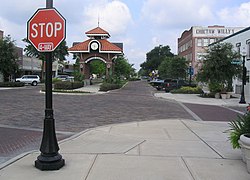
[44, 162]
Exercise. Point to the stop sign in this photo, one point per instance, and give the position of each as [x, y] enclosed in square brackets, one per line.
[46, 29]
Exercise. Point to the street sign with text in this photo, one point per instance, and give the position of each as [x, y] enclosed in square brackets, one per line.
[46, 29]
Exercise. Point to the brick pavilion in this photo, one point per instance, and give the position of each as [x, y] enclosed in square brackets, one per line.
[97, 47]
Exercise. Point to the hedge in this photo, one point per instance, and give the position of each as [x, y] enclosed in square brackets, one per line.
[187, 90]
[68, 85]
[11, 84]
[109, 86]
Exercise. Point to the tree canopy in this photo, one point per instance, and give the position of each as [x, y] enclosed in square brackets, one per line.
[97, 67]
[123, 68]
[217, 66]
[155, 57]
[173, 67]
[60, 52]
[8, 57]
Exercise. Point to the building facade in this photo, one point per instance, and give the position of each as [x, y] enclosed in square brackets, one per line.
[1, 34]
[193, 43]
[241, 43]
[1, 75]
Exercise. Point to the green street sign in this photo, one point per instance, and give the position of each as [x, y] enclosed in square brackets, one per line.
[236, 61]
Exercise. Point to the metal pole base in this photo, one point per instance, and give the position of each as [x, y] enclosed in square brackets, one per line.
[46, 163]
[242, 101]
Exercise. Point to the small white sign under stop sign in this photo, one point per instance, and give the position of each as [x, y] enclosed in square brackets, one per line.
[46, 29]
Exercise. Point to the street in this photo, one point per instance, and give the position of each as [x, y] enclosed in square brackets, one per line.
[22, 113]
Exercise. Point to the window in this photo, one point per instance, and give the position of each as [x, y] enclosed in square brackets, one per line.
[205, 42]
[238, 47]
[211, 40]
[200, 56]
[248, 49]
[199, 42]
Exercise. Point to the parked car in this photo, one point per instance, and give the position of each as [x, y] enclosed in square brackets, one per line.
[62, 77]
[29, 79]
[156, 83]
[175, 84]
[65, 78]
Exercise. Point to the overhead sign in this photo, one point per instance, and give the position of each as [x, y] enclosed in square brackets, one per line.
[46, 29]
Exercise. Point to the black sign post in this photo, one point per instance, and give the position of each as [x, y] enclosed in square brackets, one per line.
[49, 159]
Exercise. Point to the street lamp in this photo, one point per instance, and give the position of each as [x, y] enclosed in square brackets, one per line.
[190, 73]
[242, 97]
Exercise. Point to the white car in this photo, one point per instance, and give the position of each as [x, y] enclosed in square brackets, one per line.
[65, 78]
[62, 77]
[29, 79]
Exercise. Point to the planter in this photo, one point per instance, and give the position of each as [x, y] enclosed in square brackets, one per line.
[229, 95]
[223, 96]
[217, 95]
[245, 149]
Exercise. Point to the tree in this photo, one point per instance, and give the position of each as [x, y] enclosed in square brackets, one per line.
[173, 67]
[218, 68]
[123, 68]
[98, 67]
[8, 58]
[59, 54]
[155, 57]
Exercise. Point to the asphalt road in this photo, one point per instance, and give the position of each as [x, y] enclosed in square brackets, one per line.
[22, 113]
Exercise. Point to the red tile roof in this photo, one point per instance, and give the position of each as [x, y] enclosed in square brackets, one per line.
[105, 46]
[97, 31]
[83, 46]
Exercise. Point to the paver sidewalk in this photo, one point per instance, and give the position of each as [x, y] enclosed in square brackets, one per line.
[175, 149]
[195, 99]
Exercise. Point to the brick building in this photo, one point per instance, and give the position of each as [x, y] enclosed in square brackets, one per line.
[1, 34]
[1, 75]
[193, 43]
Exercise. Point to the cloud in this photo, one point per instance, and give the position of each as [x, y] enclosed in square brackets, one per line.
[236, 16]
[136, 56]
[174, 14]
[114, 16]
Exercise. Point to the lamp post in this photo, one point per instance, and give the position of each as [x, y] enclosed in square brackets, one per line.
[242, 97]
[190, 73]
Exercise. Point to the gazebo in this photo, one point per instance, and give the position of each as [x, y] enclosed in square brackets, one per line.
[97, 47]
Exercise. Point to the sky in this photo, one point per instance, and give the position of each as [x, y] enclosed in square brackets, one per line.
[140, 25]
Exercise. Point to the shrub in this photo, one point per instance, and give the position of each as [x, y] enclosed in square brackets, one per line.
[109, 86]
[134, 79]
[238, 127]
[188, 90]
[11, 84]
[215, 87]
[207, 95]
[78, 76]
[68, 85]
[54, 80]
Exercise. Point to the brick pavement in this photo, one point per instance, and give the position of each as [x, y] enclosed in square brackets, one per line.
[213, 113]
[24, 108]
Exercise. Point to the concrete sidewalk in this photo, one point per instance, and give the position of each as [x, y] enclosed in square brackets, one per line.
[90, 88]
[178, 149]
[196, 99]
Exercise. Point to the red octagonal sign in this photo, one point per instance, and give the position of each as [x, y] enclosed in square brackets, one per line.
[46, 29]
